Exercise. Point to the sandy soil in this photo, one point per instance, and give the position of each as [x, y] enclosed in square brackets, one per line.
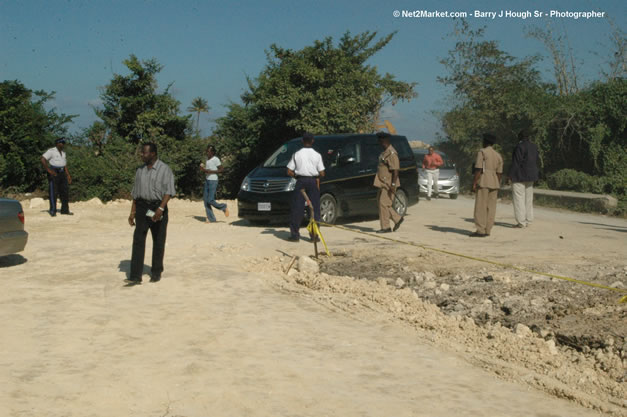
[227, 333]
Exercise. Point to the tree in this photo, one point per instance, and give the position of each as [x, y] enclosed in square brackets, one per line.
[321, 88]
[492, 91]
[580, 133]
[618, 61]
[27, 129]
[134, 112]
[133, 109]
[199, 105]
[96, 134]
[563, 59]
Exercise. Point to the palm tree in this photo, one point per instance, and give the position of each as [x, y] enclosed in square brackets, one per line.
[199, 105]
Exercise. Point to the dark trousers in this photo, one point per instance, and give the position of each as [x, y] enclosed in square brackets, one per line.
[297, 210]
[158, 231]
[58, 187]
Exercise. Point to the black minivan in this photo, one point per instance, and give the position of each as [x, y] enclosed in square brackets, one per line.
[350, 162]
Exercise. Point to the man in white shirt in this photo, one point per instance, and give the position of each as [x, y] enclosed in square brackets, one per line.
[307, 167]
[212, 168]
[55, 163]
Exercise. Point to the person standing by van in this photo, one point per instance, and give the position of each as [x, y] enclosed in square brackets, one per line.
[387, 181]
[486, 184]
[307, 167]
[431, 163]
[212, 168]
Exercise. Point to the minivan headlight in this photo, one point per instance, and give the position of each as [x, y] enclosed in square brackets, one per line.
[245, 185]
[454, 178]
[291, 185]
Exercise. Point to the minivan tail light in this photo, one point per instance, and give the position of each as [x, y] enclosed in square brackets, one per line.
[20, 216]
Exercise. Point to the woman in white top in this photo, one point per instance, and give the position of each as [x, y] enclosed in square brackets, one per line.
[212, 168]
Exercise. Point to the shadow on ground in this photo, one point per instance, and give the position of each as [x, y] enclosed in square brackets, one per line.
[508, 225]
[612, 227]
[12, 260]
[125, 266]
[448, 230]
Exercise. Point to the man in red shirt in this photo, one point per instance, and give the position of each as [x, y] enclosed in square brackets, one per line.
[431, 164]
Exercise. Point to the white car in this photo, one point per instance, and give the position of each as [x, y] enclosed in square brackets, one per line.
[448, 180]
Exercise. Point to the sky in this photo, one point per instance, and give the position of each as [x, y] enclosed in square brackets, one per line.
[208, 48]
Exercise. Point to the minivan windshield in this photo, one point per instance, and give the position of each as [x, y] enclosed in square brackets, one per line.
[281, 157]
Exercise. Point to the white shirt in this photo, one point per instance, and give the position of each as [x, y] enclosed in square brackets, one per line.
[306, 163]
[212, 165]
[55, 158]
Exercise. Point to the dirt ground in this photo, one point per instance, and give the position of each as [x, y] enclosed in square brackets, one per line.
[382, 329]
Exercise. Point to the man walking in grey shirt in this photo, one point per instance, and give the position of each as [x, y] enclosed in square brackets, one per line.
[153, 188]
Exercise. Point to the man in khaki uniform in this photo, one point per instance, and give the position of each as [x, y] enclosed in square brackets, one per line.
[387, 181]
[487, 181]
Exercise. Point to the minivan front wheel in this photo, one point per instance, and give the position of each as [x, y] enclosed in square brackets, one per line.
[400, 202]
[328, 209]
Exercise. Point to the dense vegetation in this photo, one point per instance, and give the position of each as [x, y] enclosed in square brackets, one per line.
[580, 132]
[27, 129]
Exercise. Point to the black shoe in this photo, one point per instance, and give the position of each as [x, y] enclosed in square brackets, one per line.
[388, 230]
[132, 282]
[476, 234]
[293, 238]
[428, 198]
[52, 214]
[69, 213]
[397, 225]
[155, 278]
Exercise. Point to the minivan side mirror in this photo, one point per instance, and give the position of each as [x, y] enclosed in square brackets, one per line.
[347, 159]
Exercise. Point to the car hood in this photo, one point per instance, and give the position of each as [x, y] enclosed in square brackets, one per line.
[262, 172]
[445, 173]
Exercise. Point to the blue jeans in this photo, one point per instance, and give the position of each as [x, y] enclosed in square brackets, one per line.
[209, 197]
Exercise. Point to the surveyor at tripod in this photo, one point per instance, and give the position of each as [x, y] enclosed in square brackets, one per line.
[387, 181]
[307, 167]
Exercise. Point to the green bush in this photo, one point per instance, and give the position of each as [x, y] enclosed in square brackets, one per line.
[107, 175]
[110, 173]
[572, 180]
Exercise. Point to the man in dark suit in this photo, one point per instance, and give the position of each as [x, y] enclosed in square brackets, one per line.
[523, 173]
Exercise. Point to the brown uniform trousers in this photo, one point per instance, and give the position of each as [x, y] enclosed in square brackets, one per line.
[386, 208]
[491, 164]
[388, 162]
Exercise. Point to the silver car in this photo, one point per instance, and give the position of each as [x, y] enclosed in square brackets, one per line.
[13, 237]
[448, 180]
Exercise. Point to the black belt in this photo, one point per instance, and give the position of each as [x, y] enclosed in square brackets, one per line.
[143, 200]
[304, 176]
[58, 169]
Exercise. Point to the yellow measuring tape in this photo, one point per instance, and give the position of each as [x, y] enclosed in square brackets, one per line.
[590, 284]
